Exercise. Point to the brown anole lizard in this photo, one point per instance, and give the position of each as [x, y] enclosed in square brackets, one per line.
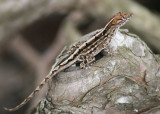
[84, 52]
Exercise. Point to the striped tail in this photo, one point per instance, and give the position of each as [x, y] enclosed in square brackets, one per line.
[47, 78]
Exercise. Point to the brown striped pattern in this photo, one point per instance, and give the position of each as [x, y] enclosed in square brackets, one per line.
[84, 51]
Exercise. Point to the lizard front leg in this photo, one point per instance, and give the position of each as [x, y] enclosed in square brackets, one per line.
[108, 50]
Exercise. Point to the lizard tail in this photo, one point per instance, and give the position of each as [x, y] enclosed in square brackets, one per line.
[47, 78]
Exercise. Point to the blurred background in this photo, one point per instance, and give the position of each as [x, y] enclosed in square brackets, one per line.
[33, 32]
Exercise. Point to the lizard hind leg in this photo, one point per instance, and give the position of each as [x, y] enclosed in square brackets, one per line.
[86, 61]
[82, 60]
[90, 59]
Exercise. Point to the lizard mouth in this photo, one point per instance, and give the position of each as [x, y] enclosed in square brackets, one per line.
[128, 17]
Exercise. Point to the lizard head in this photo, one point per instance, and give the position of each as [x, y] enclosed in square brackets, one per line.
[120, 18]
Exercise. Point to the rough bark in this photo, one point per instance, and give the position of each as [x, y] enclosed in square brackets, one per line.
[127, 82]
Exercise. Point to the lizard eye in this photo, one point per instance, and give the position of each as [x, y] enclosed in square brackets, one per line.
[118, 21]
